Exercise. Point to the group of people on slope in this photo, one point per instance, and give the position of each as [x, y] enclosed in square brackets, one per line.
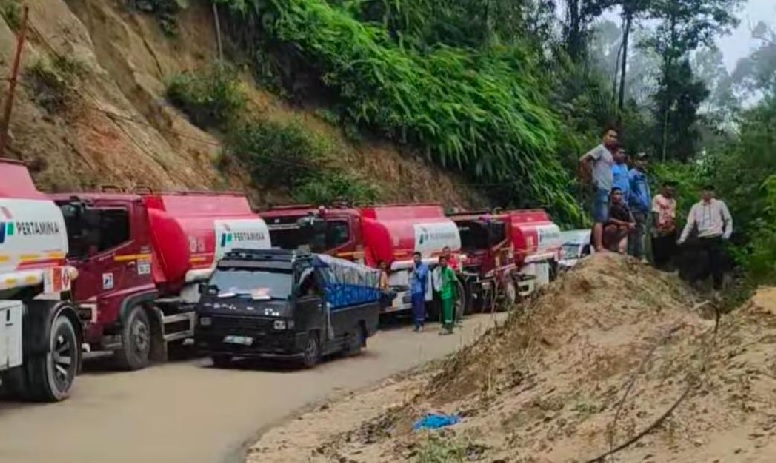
[624, 214]
[444, 283]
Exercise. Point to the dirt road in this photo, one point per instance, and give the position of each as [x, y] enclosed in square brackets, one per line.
[189, 412]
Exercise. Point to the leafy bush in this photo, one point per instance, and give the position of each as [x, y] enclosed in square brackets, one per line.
[164, 11]
[761, 261]
[52, 83]
[11, 12]
[212, 98]
[482, 112]
[282, 155]
[329, 187]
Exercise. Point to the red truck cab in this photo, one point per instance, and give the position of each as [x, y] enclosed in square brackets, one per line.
[334, 230]
[141, 258]
[507, 253]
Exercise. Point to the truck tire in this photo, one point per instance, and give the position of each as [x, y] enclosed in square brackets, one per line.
[462, 303]
[135, 341]
[511, 295]
[221, 361]
[49, 377]
[312, 351]
[356, 341]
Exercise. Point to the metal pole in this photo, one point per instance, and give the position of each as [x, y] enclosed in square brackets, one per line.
[218, 34]
[12, 81]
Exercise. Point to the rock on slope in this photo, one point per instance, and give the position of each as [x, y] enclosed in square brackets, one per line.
[97, 114]
[591, 364]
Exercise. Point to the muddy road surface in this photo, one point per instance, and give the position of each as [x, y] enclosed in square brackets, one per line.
[189, 412]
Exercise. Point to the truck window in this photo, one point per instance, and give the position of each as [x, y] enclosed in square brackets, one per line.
[474, 235]
[337, 233]
[276, 283]
[97, 229]
[114, 228]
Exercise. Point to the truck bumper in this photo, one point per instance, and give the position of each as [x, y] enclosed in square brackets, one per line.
[250, 344]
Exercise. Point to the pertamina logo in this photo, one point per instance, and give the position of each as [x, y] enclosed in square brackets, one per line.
[6, 225]
[425, 236]
[241, 237]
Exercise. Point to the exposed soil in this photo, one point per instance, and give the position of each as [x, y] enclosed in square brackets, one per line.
[102, 117]
[614, 354]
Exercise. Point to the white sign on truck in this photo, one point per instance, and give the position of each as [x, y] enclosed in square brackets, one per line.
[433, 237]
[30, 230]
[241, 234]
[549, 237]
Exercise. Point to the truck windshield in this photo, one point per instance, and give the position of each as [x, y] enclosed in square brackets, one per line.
[474, 235]
[275, 283]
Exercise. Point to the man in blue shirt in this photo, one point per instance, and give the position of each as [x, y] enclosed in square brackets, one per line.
[620, 173]
[640, 203]
[418, 284]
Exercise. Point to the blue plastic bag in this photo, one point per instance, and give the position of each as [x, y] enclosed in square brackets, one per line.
[435, 421]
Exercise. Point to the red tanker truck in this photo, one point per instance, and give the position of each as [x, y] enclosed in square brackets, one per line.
[507, 253]
[40, 333]
[140, 259]
[389, 233]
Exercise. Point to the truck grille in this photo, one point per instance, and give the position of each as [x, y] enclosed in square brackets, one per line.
[240, 325]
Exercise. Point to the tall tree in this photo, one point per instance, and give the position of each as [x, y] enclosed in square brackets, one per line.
[580, 15]
[683, 26]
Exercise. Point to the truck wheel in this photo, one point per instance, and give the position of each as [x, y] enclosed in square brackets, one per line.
[356, 341]
[50, 376]
[221, 361]
[135, 341]
[510, 291]
[462, 304]
[312, 351]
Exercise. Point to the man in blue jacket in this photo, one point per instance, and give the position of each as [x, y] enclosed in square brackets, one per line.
[418, 285]
[639, 201]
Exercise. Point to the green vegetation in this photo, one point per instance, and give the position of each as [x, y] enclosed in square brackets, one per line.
[211, 98]
[283, 155]
[164, 11]
[52, 82]
[11, 11]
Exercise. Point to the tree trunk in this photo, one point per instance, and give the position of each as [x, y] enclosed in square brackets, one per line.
[624, 62]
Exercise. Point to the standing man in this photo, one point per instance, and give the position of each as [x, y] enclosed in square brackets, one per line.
[596, 169]
[620, 177]
[447, 289]
[664, 225]
[711, 220]
[639, 202]
[418, 285]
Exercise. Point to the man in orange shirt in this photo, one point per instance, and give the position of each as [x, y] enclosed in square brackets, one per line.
[664, 225]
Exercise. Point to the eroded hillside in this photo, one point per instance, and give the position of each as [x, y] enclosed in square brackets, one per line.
[90, 108]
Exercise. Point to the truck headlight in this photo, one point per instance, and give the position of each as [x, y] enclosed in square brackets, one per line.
[204, 321]
[279, 324]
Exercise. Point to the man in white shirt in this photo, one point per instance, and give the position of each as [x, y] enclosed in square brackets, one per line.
[710, 221]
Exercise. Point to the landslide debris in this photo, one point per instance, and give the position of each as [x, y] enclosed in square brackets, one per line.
[612, 353]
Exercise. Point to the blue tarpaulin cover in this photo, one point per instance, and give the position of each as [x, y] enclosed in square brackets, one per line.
[435, 421]
[347, 283]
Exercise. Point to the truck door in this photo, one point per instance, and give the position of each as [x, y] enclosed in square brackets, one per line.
[110, 263]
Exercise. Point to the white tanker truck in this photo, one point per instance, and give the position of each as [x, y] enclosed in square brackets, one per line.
[40, 330]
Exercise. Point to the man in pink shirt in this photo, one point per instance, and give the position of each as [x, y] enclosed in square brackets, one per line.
[664, 225]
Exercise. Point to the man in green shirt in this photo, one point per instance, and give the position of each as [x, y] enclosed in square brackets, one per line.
[447, 293]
